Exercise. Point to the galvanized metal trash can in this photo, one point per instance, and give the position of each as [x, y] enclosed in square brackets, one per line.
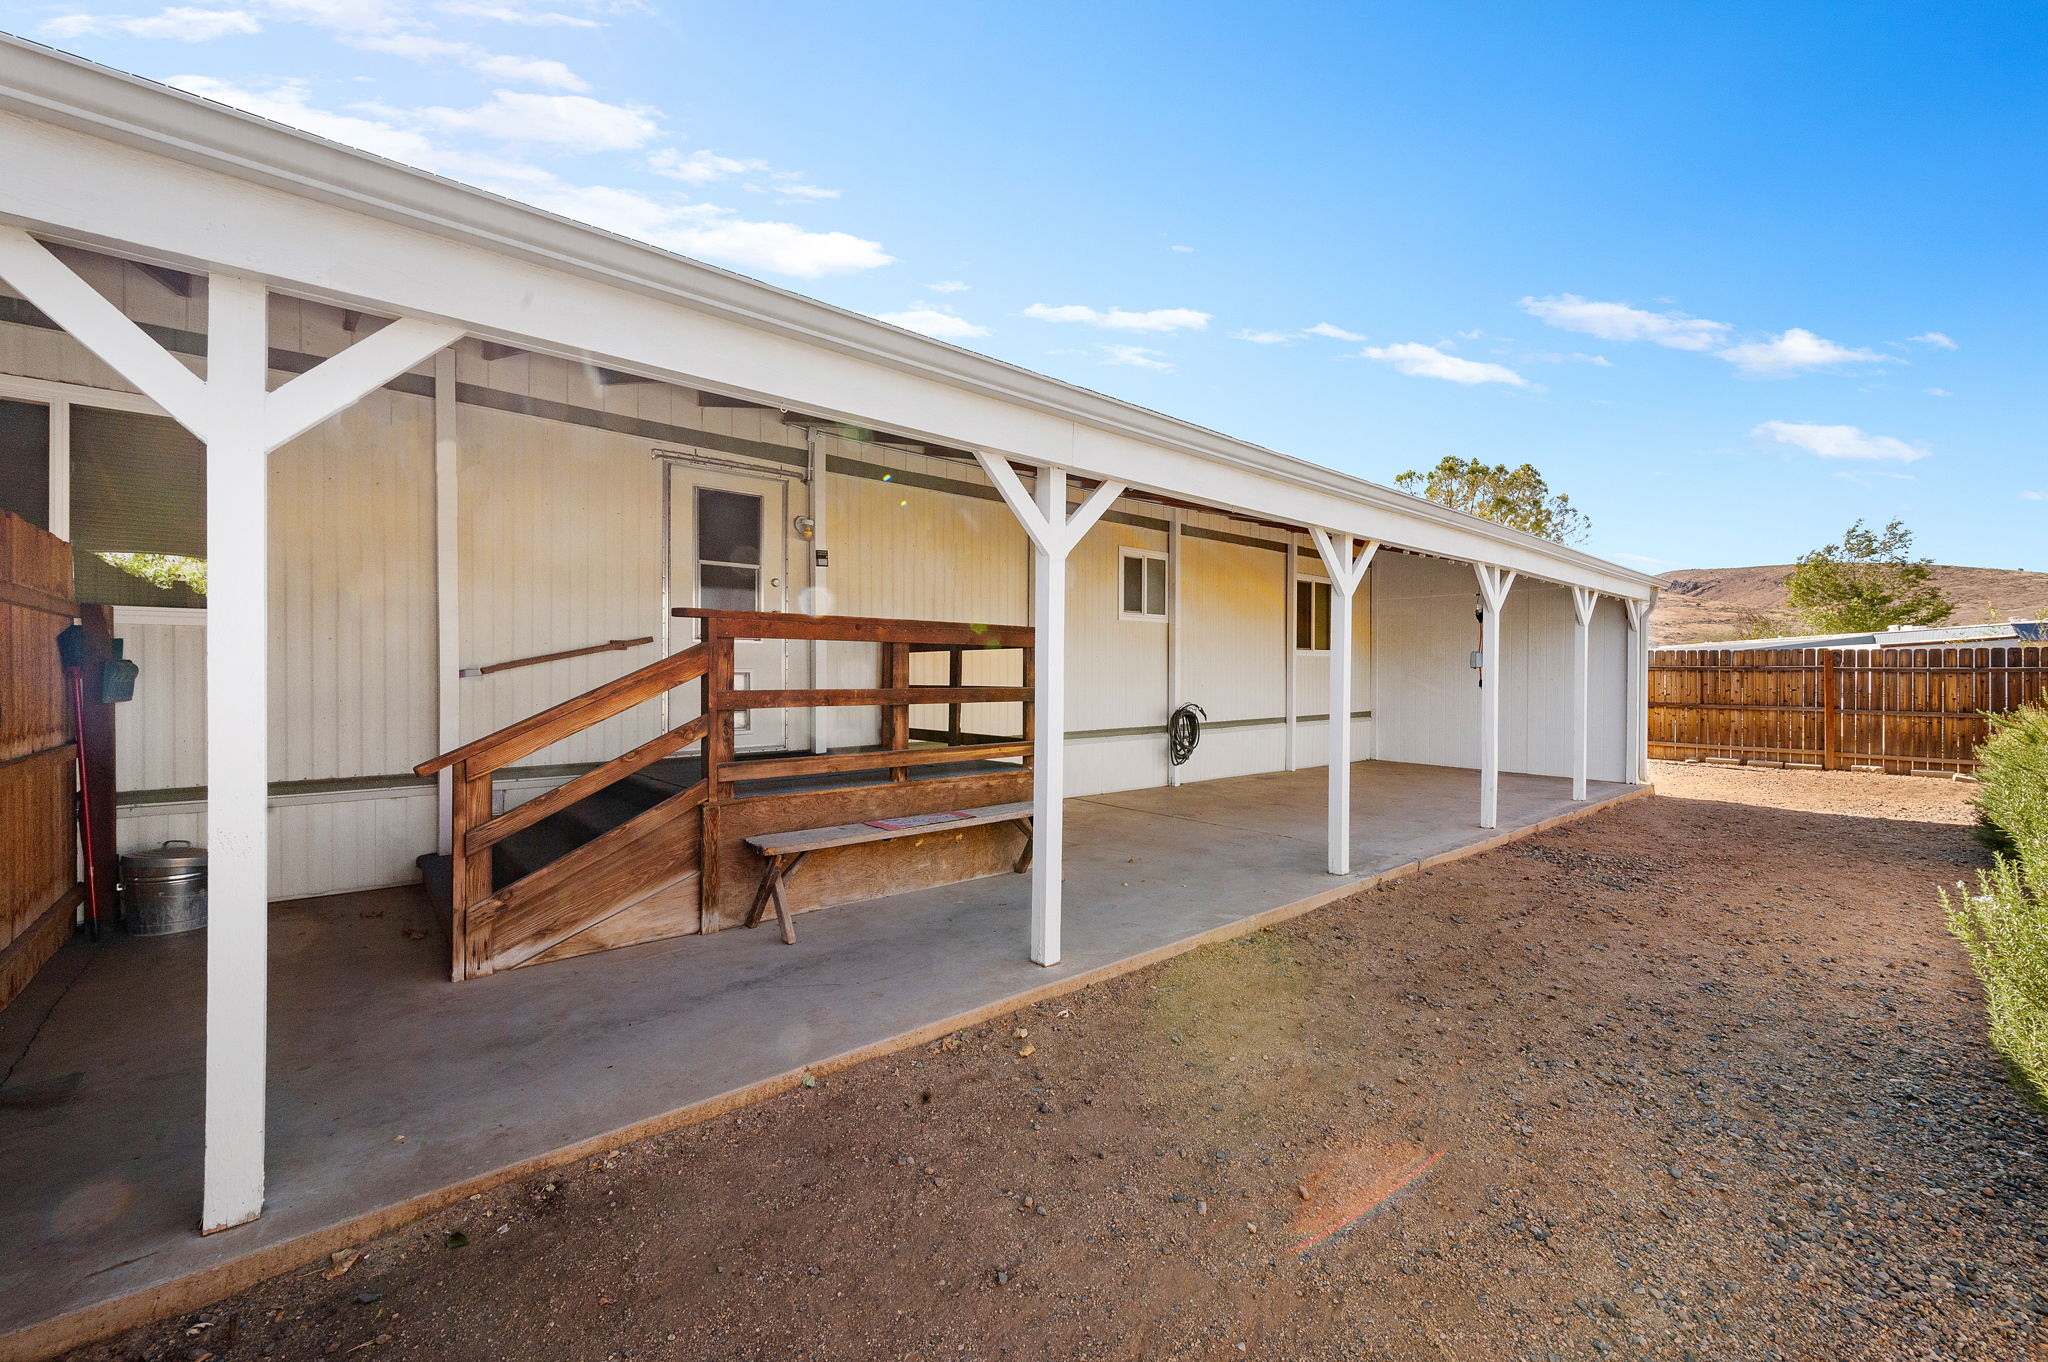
[163, 890]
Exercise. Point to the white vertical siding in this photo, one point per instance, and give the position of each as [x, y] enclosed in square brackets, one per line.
[160, 735]
[1426, 701]
[352, 593]
[1607, 702]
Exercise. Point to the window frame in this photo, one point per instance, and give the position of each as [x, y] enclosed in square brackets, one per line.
[1314, 584]
[1126, 553]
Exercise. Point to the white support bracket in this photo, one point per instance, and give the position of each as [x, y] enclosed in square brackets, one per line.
[1584, 599]
[1494, 584]
[1345, 562]
[240, 420]
[1054, 532]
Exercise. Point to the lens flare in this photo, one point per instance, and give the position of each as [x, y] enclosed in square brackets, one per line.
[1355, 1184]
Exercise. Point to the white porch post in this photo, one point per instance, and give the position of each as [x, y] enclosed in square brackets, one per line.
[1637, 733]
[1175, 695]
[1053, 535]
[1291, 658]
[237, 750]
[1493, 591]
[1347, 570]
[240, 423]
[447, 588]
[1583, 601]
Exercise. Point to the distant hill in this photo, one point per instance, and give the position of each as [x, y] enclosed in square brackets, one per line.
[1698, 604]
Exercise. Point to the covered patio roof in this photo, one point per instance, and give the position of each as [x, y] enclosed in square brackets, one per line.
[393, 1093]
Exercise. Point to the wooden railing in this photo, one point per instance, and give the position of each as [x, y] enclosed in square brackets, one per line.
[896, 641]
[476, 830]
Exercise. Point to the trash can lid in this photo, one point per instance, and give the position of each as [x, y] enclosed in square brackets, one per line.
[172, 855]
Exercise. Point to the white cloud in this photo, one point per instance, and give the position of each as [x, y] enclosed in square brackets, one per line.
[931, 321]
[1794, 352]
[700, 167]
[2033, 496]
[1937, 340]
[494, 65]
[1117, 319]
[392, 27]
[1182, 250]
[791, 186]
[1620, 322]
[709, 167]
[949, 286]
[698, 229]
[1261, 337]
[1427, 361]
[514, 14]
[185, 24]
[1839, 442]
[1333, 332]
[1938, 392]
[1136, 357]
[1474, 334]
[1575, 357]
[575, 121]
[1645, 561]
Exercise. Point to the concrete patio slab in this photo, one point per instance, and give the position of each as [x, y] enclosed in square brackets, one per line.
[394, 1092]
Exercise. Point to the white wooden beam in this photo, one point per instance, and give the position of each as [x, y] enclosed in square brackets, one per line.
[1494, 584]
[1054, 532]
[341, 379]
[1583, 603]
[237, 750]
[92, 321]
[1346, 567]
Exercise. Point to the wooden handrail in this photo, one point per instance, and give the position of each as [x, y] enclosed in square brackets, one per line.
[860, 628]
[522, 816]
[551, 725]
[617, 645]
[737, 700]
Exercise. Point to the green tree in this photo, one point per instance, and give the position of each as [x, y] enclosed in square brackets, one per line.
[1518, 497]
[1869, 581]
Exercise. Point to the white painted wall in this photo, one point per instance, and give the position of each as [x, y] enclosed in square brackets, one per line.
[1428, 699]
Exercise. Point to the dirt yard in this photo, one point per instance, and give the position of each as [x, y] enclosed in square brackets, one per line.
[1702, 1078]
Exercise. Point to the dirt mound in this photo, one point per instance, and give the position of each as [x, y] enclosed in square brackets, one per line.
[1702, 604]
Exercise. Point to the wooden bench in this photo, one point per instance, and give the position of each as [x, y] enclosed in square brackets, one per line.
[785, 852]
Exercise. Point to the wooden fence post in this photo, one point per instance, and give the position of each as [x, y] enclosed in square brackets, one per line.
[1830, 707]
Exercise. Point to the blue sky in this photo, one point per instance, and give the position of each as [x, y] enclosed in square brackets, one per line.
[1732, 276]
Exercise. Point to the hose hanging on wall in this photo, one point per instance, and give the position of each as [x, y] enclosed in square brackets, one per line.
[1184, 733]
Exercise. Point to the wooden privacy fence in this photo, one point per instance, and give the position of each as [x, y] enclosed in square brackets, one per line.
[1892, 709]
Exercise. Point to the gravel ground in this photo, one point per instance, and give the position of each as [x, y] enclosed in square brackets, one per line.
[1700, 1078]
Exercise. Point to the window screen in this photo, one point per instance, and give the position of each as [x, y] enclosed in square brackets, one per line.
[25, 461]
[1143, 585]
[1312, 615]
[138, 490]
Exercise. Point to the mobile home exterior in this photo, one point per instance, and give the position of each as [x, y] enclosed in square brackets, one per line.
[418, 433]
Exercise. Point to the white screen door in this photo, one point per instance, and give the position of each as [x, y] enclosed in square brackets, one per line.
[728, 550]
